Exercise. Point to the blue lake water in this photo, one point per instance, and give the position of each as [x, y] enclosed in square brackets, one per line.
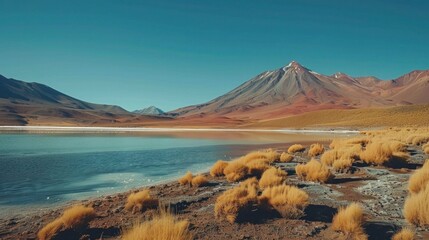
[47, 170]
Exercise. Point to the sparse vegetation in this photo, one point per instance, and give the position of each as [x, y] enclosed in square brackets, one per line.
[288, 201]
[76, 218]
[272, 177]
[426, 148]
[187, 179]
[234, 204]
[381, 152]
[164, 226]
[218, 167]
[257, 167]
[141, 201]
[315, 150]
[296, 148]
[199, 181]
[314, 171]
[404, 234]
[420, 179]
[349, 221]
[416, 207]
[268, 155]
[286, 157]
[342, 165]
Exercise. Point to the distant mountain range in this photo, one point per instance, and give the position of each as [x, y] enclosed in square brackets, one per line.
[295, 89]
[152, 110]
[289, 90]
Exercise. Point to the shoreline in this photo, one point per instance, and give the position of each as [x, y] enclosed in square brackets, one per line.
[160, 129]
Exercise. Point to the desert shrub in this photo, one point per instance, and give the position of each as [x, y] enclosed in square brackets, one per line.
[141, 201]
[404, 234]
[349, 221]
[187, 179]
[235, 171]
[257, 167]
[199, 181]
[272, 177]
[236, 203]
[346, 143]
[347, 152]
[314, 171]
[164, 226]
[416, 207]
[315, 149]
[76, 218]
[380, 153]
[419, 179]
[286, 157]
[288, 201]
[342, 165]
[218, 167]
[295, 148]
[250, 183]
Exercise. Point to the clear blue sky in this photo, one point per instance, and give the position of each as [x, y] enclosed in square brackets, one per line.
[176, 53]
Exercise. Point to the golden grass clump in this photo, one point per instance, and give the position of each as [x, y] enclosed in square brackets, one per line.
[418, 139]
[349, 221]
[347, 152]
[76, 218]
[288, 201]
[295, 148]
[416, 207]
[234, 204]
[342, 165]
[315, 150]
[419, 179]
[199, 181]
[272, 177]
[235, 171]
[381, 152]
[187, 179]
[141, 201]
[164, 226]
[286, 157]
[314, 171]
[257, 167]
[349, 142]
[404, 234]
[218, 167]
[267, 155]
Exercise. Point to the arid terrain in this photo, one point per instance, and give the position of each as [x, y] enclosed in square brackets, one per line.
[373, 170]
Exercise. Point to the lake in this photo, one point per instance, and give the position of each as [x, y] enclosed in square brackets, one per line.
[42, 170]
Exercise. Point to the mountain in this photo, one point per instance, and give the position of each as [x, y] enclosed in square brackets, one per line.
[152, 110]
[24, 103]
[295, 89]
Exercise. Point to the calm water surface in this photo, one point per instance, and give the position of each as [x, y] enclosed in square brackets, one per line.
[41, 171]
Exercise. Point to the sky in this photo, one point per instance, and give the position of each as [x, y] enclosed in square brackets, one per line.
[177, 53]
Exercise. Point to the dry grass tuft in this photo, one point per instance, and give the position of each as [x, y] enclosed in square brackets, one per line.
[425, 148]
[268, 155]
[272, 177]
[236, 203]
[257, 167]
[342, 165]
[76, 218]
[288, 201]
[420, 179]
[349, 221]
[315, 150]
[381, 152]
[199, 181]
[286, 157]
[187, 179]
[164, 226]
[296, 148]
[235, 171]
[416, 208]
[404, 234]
[141, 201]
[314, 171]
[347, 152]
[418, 139]
[217, 169]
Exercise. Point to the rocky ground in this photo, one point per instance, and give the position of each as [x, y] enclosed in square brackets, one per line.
[382, 192]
